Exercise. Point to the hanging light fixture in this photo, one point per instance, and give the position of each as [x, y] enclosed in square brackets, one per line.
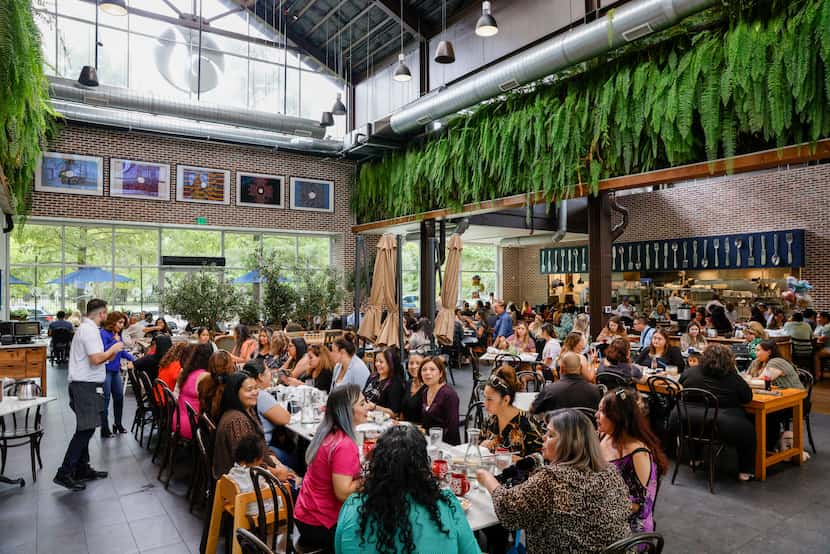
[339, 107]
[486, 25]
[326, 120]
[402, 73]
[445, 53]
[114, 7]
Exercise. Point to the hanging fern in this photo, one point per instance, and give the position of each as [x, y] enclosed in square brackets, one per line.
[740, 77]
[26, 116]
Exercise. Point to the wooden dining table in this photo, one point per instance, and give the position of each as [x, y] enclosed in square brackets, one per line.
[760, 407]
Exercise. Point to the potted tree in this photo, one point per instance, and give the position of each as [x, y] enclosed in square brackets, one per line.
[203, 299]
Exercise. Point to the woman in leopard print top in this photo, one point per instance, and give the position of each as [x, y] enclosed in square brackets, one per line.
[575, 503]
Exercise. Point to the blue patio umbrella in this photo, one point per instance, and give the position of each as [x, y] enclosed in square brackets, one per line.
[15, 281]
[253, 277]
[90, 275]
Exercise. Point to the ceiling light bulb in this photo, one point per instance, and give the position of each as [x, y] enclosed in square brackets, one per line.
[402, 73]
[114, 7]
[486, 25]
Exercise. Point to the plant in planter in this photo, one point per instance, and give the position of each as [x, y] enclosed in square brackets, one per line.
[320, 293]
[249, 312]
[19, 315]
[203, 299]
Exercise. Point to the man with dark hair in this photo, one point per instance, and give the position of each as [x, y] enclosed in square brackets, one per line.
[87, 360]
[810, 317]
[646, 330]
[570, 391]
[60, 323]
[503, 326]
[797, 328]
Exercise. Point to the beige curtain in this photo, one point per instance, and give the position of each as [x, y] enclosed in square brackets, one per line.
[445, 320]
[383, 275]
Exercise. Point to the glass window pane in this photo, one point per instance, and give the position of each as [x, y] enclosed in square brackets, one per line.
[314, 251]
[113, 63]
[469, 290]
[266, 87]
[411, 289]
[293, 92]
[135, 246]
[79, 291]
[318, 94]
[76, 40]
[139, 294]
[190, 242]
[411, 256]
[163, 67]
[48, 40]
[478, 257]
[88, 246]
[35, 241]
[239, 249]
[224, 79]
[285, 249]
[38, 293]
[77, 8]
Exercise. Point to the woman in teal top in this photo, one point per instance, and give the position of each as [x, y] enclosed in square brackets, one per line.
[401, 505]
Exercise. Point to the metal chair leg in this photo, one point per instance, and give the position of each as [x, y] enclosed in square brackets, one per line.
[810, 433]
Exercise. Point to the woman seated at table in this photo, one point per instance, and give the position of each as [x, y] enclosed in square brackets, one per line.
[263, 343]
[614, 329]
[631, 447]
[319, 369]
[245, 346]
[551, 351]
[160, 327]
[296, 363]
[508, 427]
[693, 338]
[278, 352]
[202, 336]
[150, 362]
[754, 334]
[170, 366]
[385, 389]
[481, 328]
[659, 313]
[576, 502]
[196, 361]
[271, 415]
[210, 389]
[660, 354]
[577, 343]
[239, 419]
[618, 361]
[333, 468]
[350, 369]
[520, 340]
[440, 407]
[778, 320]
[535, 326]
[422, 337]
[413, 400]
[401, 508]
[720, 322]
[717, 374]
[581, 325]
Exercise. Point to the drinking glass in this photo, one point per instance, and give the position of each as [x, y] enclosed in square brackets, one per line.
[503, 458]
[436, 435]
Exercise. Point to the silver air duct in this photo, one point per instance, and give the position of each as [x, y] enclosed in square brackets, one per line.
[628, 23]
[183, 127]
[126, 99]
[536, 240]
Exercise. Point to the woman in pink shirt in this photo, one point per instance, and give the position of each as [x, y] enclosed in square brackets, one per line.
[195, 368]
[333, 468]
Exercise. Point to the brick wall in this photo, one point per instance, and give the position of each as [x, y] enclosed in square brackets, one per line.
[785, 198]
[521, 277]
[109, 143]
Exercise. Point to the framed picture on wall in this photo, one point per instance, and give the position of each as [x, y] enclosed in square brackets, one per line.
[70, 173]
[141, 180]
[259, 190]
[202, 184]
[312, 194]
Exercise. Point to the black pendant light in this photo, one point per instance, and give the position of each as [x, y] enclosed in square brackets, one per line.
[89, 76]
[402, 73]
[326, 120]
[114, 7]
[339, 107]
[486, 25]
[445, 53]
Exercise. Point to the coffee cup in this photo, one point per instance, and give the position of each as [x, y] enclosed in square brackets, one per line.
[459, 484]
[440, 468]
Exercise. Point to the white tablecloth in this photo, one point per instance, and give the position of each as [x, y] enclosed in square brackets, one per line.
[524, 400]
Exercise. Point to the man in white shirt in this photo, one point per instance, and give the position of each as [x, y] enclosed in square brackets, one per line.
[646, 331]
[625, 309]
[87, 359]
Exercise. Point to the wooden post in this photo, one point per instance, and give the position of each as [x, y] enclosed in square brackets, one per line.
[599, 259]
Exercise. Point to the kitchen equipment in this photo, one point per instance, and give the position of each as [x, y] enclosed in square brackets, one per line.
[25, 390]
[705, 261]
[665, 255]
[750, 260]
[674, 253]
[685, 255]
[789, 238]
[694, 253]
[776, 259]
[630, 260]
[738, 244]
[726, 252]
[656, 256]
[763, 250]
[622, 258]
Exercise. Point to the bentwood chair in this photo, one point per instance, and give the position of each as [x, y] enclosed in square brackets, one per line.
[651, 543]
[250, 543]
[197, 476]
[662, 397]
[165, 420]
[143, 412]
[23, 431]
[807, 381]
[155, 410]
[175, 440]
[697, 414]
[802, 352]
[612, 380]
[283, 522]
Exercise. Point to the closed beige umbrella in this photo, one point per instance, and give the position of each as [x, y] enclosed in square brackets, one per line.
[370, 326]
[445, 322]
[388, 334]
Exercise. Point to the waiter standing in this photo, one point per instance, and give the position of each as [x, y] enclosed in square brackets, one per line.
[87, 359]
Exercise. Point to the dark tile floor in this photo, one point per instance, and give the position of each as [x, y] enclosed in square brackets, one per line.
[131, 512]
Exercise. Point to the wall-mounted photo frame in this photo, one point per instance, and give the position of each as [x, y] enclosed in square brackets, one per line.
[70, 174]
[139, 180]
[314, 195]
[259, 190]
[202, 184]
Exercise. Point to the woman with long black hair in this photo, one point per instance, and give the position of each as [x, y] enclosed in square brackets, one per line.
[385, 388]
[401, 504]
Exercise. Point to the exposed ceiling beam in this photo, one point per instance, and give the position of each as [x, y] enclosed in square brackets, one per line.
[327, 16]
[356, 19]
[411, 19]
[374, 30]
[380, 48]
[307, 7]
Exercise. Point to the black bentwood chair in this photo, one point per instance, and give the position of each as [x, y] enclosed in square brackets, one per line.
[697, 414]
[25, 431]
[807, 381]
[651, 543]
[250, 544]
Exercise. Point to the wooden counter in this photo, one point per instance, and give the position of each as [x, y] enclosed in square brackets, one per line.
[24, 361]
[785, 347]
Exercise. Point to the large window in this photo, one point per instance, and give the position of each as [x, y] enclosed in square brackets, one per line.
[161, 57]
[56, 266]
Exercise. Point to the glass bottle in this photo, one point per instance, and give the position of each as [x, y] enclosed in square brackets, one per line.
[472, 457]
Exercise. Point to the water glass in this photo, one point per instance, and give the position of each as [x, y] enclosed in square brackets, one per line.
[503, 458]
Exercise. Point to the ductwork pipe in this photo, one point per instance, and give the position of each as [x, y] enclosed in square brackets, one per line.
[628, 23]
[117, 97]
[183, 127]
[547, 240]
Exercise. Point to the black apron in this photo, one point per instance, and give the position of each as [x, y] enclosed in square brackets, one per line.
[87, 403]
